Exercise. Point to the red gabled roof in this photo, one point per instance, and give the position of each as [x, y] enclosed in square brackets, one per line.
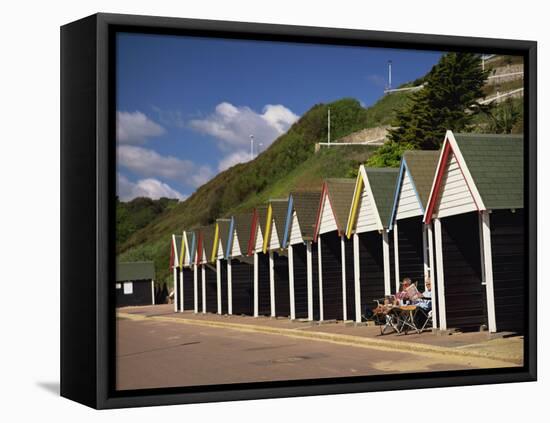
[253, 230]
[199, 247]
[440, 172]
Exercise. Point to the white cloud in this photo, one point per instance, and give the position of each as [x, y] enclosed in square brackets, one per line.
[232, 159]
[150, 187]
[149, 163]
[135, 128]
[233, 125]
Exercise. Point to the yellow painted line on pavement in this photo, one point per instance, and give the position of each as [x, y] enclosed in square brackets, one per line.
[340, 339]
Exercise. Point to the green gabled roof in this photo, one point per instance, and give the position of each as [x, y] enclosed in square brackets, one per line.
[223, 232]
[192, 248]
[279, 210]
[243, 223]
[208, 241]
[382, 182]
[306, 205]
[179, 240]
[262, 217]
[422, 166]
[135, 271]
[496, 165]
[340, 191]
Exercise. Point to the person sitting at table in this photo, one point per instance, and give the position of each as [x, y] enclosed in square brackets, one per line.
[403, 294]
[425, 301]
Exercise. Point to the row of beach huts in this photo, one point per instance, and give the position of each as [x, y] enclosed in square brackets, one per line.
[453, 215]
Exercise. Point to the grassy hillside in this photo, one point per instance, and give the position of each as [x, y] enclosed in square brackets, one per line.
[289, 163]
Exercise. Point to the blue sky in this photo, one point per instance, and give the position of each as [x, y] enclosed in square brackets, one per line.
[186, 106]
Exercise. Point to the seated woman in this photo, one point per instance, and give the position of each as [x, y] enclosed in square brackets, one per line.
[403, 295]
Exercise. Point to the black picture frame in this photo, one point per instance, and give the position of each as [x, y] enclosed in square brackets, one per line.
[88, 193]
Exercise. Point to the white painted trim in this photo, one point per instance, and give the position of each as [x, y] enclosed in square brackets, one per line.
[272, 283]
[396, 254]
[309, 262]
[152, 292]
[367, 186]
[482, 256]
[195, 288]
[219, 285]
[344, 293]
[386, 256]
[432, 274]
[440, 277]
[356, 277]
[175, 274]
[203, 278]
[255, 284]
[181, 290]
[320, 277]
[488, 259]
[465, 171]
[291, 282]
[229, 288]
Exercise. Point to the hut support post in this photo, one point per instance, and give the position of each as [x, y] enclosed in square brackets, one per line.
[320, 263]
[203, 277]
[175, 289]
[255, 284]
[291, 282]
[429, 230]
[229, 287]
[344, 293]
[219, 285]
[357, 281]
[440, 278]
[487, 271]
[181, 289]
[196, 288]
[272, 283]
[425, 252]
[396, 254]
[309, 281]
[152, 292]
[386, 254]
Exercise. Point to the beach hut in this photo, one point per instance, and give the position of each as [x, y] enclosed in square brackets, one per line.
[221, 236]
[175, 248]
[334, 251]
[412, 239]
[278, 261]
[368, 225]
[135, 283]
[476, 206]
[262, 295]
[302, 260]
[240, 277]
[208, 271]
[190, 292]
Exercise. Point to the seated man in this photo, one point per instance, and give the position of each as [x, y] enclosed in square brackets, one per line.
[425, 300]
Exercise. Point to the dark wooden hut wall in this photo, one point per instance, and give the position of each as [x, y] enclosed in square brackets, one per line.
[465, 304]
[141, 294]
[332, 276]
[507, 243]
[411, 255]
[264, 295]
[223, 272]
[211, 289]
[282, 291]
[371, 269]
[199, 289]
[300, 280]
[188, 294]
[177, 293]
[350, 280]
[242, 281]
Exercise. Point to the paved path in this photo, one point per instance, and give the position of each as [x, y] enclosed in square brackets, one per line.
[154, 353]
